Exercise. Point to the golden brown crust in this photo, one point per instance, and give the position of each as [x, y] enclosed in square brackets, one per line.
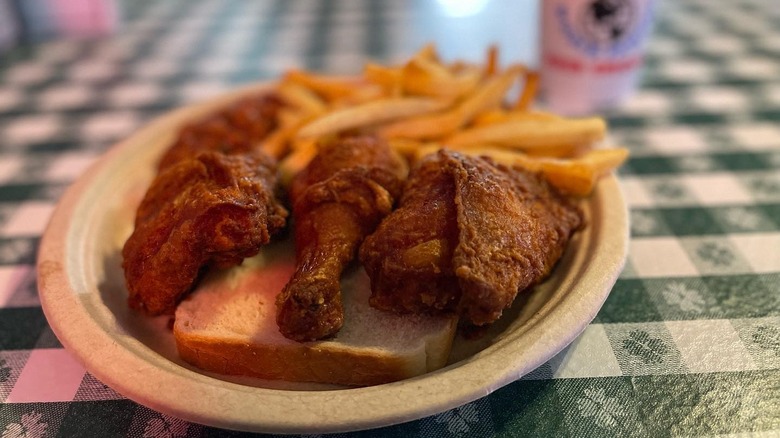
[473, 232]
[408, 258]
[234, 130]
[213, 209]
[513, 227]
[212, 203]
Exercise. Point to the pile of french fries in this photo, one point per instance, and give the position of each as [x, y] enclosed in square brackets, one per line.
[425, 104]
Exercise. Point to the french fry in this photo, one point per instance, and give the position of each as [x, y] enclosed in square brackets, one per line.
[604, 161]
[430, 148]
[578, 176]
[528, 94]
[425, 71]
[362, 94]
[501, 115]
[289, 116]
[569, 177]
[490, 117]
[290, 120]
[389, 78]
[486, 97]
[427, 52]
[406, 147]
[424, 128]
[491, 64]
[299, 144]
[370, 113]
[490, 95]
[301, 98]
[424, 77]
[275, 144]
[296, 161]
[328, 87]
[435, 81]
[533, 134]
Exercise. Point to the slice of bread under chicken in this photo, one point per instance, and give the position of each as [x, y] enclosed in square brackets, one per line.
[228, 326]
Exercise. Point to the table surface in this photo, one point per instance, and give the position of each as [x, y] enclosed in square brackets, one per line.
[688, 343]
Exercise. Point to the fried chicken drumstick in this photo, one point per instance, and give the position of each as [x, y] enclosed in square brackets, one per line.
[468, 235]
[338, 199]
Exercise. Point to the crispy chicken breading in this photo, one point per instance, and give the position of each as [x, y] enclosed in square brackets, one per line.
[236, 129]
[468, 235]
[210, 210]
[338, 199]
[411, 269]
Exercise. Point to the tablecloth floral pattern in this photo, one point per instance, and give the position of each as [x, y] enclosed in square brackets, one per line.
[688, 343]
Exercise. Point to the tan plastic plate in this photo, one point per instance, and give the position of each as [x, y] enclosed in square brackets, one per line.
[84, 298]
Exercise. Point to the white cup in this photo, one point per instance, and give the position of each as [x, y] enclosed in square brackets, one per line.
[592, 52]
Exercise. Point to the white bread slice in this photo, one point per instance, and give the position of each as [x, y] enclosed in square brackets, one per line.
[228, 326]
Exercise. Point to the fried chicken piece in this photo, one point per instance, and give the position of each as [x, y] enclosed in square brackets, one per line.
[509, 239]
[338, 199]
[236, 129]
[469, 234]
[210, 210]
[409, 256]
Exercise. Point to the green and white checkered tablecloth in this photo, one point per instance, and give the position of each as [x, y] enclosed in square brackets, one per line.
[687, 344]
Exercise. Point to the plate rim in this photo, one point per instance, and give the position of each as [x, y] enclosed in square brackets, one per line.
[81, 335]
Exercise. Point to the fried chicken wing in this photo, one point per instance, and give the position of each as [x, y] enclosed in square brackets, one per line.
[468, 235]
[338, 199]
[210, 210]
[236, 129]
